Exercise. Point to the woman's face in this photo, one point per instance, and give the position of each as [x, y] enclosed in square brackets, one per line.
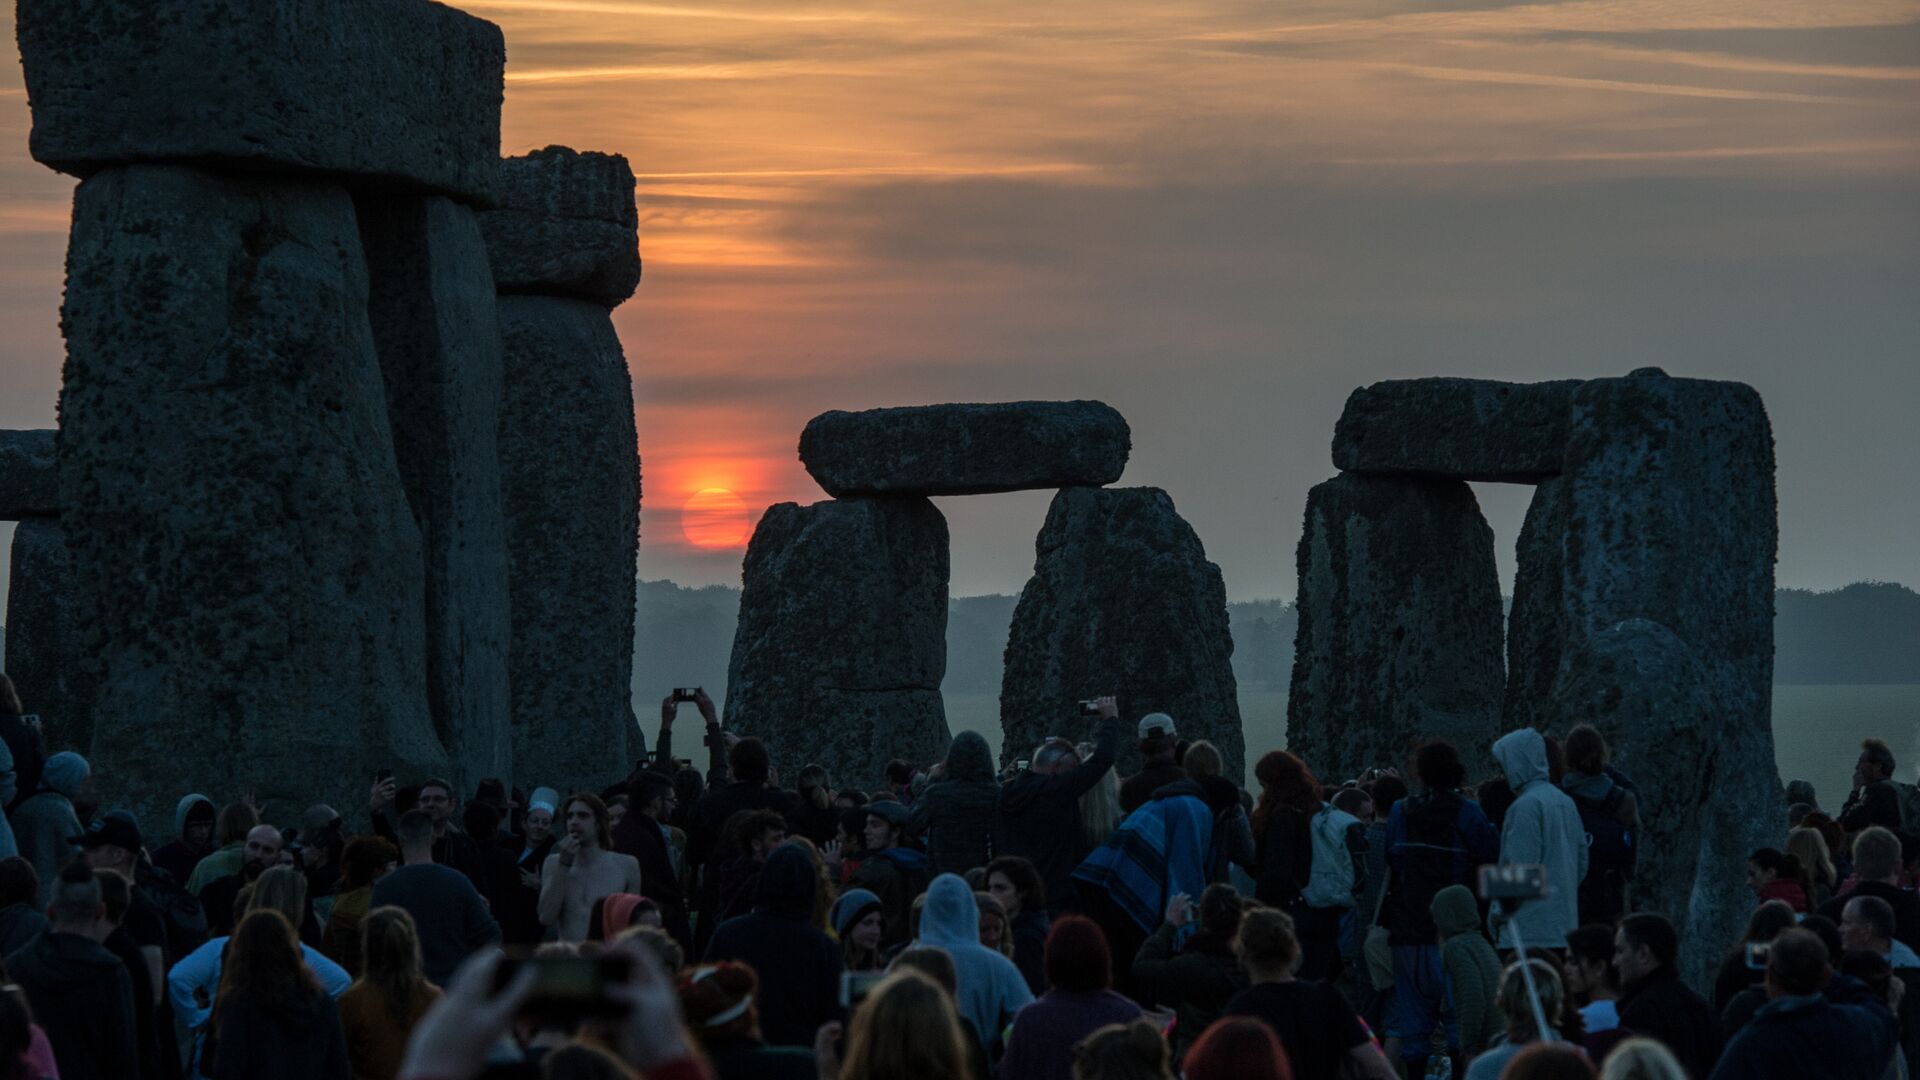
[539, 825]
[1758, 877]
[866, 932]
[1002, 889]
[990, 930]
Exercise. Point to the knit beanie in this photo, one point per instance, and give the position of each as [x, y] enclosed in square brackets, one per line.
[853, 905]
[64, 773]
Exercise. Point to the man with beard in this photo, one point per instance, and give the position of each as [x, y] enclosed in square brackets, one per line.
[262, 850]
[583, 868]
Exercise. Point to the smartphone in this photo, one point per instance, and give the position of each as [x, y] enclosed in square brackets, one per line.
[856, 985]
[1090, 708]
[1519, 881]
[1021, 765]
[686, 693]
[1758, 953]
[568, 986]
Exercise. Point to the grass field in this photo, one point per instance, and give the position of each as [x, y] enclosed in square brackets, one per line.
[1816, 729]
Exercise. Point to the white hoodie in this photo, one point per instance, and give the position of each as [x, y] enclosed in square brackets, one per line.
[1542, 826]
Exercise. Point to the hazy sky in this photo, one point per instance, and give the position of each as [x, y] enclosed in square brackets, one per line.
[1220, 218]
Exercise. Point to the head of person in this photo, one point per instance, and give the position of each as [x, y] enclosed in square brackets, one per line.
[1644, 945]
[1285, 781]
[789, 884]
[907, 1027]
[616, 813]
[1797, 813]
[858, 919]
[1586, 750]
[719, 1001]
[1797, 965]
[1132, 1051]
[1437, 766]
[1641, 1058]
[1523, 758]
[542, 806]
[688, 786]
[77, 906]
[1220, 910]
[1876, 855]
[651, 793]
[885, 822]
[263, 964]
[757, 832]
[748, 761]
[111, 843]
[934, 963]
[1872, 969]
[588, 821]
[815, 785]
[852, 833]
[262, 851]
[1056, 755]
[1017, 884]
[1875, 762]
[1801, 791]
[481, 820]
[1516, 1005]
[1266, 944]
[995, 933]
[1203, 761]
[194, 819]
[1767, 921]
[390, 956]
[116, 895]
[1810, 848]
[1764, 867]
[899, 774]
[436, 798]
[1386, 790]
[282, 889]
[1866, 925]
[236, 820]
[365, 860]
[1237, 1048]
[1589, 967]
[1077, 960]
[1158, 739]
[1549, 1061]
[414, 830]
[1355, 801]
[66, 773]
[19, 882]
[849, 799]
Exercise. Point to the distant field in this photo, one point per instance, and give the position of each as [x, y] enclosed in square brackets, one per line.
[1816, 729]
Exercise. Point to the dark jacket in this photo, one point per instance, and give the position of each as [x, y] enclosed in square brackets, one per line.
[256, 1044]
[1195, 982]
[703, 839]
[1030, 948]
[1663, 1008]
[1434, 840]
[955, 814]
[1135, 790]
[1283, 856]
[751, 1059]
[639, 836]
[1877, 803]
[19, 924]
[520, 918]
[29, 757]
[1040, 815]
[146, 1039]
[82, 996]
[1906, 908]
[448, 913]
[896, 875]
[779, 936]
[1846, 1031]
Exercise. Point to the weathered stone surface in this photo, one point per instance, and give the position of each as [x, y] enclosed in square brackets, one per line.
[1647, 693]
[1537, 621]
[841, 643]
[1465, 429]
[247, 574]
[1122, 601]
[392, 93]
[29, 475]
[566, 226]
[432, 309]
[43, 657]
[966, 449]
[1400, 625]
[570, 481]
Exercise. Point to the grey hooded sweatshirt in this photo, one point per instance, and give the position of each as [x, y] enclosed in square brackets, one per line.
[1542, 826]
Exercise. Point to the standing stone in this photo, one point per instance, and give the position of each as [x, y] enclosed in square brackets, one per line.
[570, 481]
[1122, 601]
[395, 95]
[43, 658]
[1400, 625]
[1537, 621]
[1463, 429]
[966, 449]
[432, 308]
[29, 475]
[566, 226]
[841, 643]
[247, 573]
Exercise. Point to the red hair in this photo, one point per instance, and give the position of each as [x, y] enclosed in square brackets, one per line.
[1237, 1048]
[1285, 780]
[1077, 957]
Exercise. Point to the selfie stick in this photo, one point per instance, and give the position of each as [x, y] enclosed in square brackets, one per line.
[1526, 971]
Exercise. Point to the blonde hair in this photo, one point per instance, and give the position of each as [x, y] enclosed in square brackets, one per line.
[390, 957]
[1100, 809]
[906, 1027]
[282, 889]
[1641, 1059]
[1203, 760]
[1132, 1051]
[1511, 999]
[1810, 848]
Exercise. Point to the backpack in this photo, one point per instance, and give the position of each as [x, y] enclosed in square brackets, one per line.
[1334, 878]
[1909, 796]
[1611, 846]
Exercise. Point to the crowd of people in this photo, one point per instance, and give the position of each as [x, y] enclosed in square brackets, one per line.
[1052, 920]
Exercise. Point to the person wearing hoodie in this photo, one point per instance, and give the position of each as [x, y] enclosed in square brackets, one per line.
[1471, 969]
[193, 824]
[802, 989]
[230, 829]
[45, 823]
[1040, 817]
[79, 992]
[1079, 1002]
[1197, 979]
[856, 921]
[991, 988]
[891, 870]
[955, 814]
[1542, 828]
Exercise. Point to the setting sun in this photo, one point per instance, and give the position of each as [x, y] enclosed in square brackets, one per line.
[715, 518]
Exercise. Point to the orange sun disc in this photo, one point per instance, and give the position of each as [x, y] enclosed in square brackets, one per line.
[715, 518]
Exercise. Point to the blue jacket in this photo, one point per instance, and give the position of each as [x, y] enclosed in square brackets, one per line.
[1434, 840]
[1845, 1031]
[1163, 848]
[989, 988]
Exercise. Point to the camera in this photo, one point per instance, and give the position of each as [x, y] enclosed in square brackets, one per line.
[1758, 954]
[686, 693]
[568, 986]
[1513, 883]
[856, 985]
[1090, 707]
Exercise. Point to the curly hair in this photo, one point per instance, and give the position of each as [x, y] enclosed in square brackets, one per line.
[1285, 781]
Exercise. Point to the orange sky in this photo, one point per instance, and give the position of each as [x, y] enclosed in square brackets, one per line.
[1218, 216]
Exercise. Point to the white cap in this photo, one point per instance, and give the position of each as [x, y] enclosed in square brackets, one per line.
[1156, 725]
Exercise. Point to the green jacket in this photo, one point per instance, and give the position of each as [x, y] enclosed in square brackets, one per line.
[1195, 982]
[1471, 966]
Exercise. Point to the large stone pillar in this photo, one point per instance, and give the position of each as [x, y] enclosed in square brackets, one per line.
[1122, 601]
[1400, 625]
[564, 250]
[43, 657]
[841, 643]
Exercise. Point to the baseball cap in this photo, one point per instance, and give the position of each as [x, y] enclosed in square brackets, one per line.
[1156, 725]
[887, 810]
[111, 829]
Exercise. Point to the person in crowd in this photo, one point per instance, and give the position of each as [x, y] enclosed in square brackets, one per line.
[900, 781]
[1079, 1002]
[363, 862]
[1866, 925]
[271, 1018]
[1471, 970]
[452, 848]
[1874, 799]
[990, 988]
[520, 923]
[322, 845]
[616, 809]
[389, 996]
[583, 868]
[230, 831]
[449, 916]
[955, 814]
[1240, 1048]
[25, 1053]
[1735, 973]
[778, 935]
[1040, 818]
[1654, 1001]
[1015, 882]
[751, 837]
[44, 823]
[21, 917]
[813, 815]
[193, 819]
[1810, 848]
[1319, 1029]
[25, 744]
[1815, 1023]
[1543, 828]
[646, 835]
[1159, 850]
[1839, 846]
[995, 933]
[1610, 814]
[1374, 964]
[1776, 876]
[112, 844]
[500, 870]
[1593, 986]
[1196, 979]
[719, 1003]
[116, 895]
[1640, 1058]
[748, 768]
[1159, 764]
[1549, 1061]
[891, 870]
[1515, 1005]
[80, 992]
[1434, 839]
[1232, 830]
[260, 853]
[857, 919]
[907, 1027]
[1876, 856]
[935, 964]
[1133, 1051]
[1100, 812]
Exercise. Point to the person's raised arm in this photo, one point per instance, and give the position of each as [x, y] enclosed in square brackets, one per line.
[663, 744]
[1106, 749]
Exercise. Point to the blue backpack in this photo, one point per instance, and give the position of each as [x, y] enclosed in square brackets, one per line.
[1610, 845]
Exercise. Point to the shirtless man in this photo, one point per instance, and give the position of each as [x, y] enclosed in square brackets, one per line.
[583, 868]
